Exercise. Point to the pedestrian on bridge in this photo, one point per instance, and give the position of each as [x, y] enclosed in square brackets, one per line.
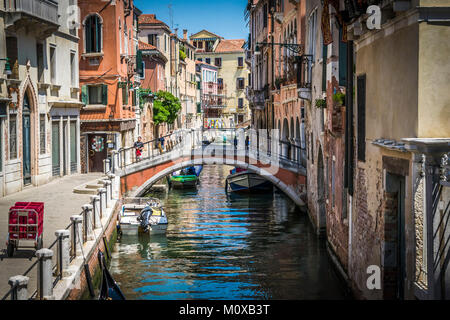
[161, 143]
[139, 146]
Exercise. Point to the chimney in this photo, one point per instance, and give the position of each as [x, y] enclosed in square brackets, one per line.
[185, 34]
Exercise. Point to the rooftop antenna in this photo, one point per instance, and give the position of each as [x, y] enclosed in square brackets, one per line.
[171, 14]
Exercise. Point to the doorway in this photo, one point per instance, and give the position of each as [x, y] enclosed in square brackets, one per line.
[26, 141]
[97, 152]
[394, 237]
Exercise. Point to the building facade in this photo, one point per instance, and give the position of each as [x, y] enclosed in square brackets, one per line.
[229, 57]
[40, 108]
[107, 79]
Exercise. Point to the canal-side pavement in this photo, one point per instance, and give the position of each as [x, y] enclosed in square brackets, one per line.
[60, 204]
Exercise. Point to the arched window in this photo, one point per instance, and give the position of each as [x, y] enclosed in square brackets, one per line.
[93, 33]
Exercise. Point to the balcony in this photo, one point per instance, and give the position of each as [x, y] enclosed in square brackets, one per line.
[41, 16]
[304, 76]
[257, 98]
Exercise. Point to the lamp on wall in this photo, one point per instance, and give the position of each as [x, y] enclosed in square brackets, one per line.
[7, 70]
[296, 48]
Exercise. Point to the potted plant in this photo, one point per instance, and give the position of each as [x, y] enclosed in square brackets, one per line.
[339, 98]
[321, 103]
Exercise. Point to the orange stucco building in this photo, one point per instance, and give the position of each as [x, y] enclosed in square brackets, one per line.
[107, 51]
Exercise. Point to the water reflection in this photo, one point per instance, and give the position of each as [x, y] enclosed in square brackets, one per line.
[226, 247]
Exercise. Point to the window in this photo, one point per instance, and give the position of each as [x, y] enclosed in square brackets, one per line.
[40, 61]
[94, 95]
[240, 62]
[240, 83]
[200, 59]
[312, 33]
[42, 134]
[153, 39]
[208, 60]
[265, 15]
[240, 102]
[93, 34]
[342, 60]
[200, 44]
[53, 64]
[142, 71]
[12, 136]
[125, 96]
[73, 69]
[218, 62]
[361, 100]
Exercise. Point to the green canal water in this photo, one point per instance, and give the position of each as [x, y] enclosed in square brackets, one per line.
[221, 247]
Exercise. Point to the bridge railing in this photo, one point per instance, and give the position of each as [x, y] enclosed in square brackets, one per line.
[260, 145]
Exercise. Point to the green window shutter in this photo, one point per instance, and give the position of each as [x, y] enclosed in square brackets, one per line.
[104, 94]
[139, 62]
[85, 94]
[134, 98]
[125, 96]
[342, 60]
[199, 85]
[199, 107]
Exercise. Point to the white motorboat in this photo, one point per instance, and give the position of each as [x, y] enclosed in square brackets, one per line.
[135, 218]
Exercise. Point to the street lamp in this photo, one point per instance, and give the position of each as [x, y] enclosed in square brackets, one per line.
[7, 70]
[296, 48]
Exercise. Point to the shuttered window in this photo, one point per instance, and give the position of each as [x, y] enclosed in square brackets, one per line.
[93, 34]
[125, 96]
[94, 94]
[342, 60]
[361, 87]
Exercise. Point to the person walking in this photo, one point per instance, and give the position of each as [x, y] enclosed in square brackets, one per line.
[139, 147]
[161, 143]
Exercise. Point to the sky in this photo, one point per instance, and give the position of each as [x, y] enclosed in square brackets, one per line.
[224, 18]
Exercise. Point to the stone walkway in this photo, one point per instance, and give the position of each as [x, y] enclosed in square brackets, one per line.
[60, 204]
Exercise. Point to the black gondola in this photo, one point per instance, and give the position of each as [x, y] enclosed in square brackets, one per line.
[109, 289]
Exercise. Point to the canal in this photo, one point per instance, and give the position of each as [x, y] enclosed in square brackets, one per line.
[221, 247]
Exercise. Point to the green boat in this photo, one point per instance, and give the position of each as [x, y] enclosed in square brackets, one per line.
[183, 181]
[186, 178]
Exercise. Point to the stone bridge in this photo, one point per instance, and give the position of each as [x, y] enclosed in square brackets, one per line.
[187, 148]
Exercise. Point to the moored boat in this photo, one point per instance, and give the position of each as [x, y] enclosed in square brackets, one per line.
[241, 180]
[136, 217]
[109, 289]
[186, 178]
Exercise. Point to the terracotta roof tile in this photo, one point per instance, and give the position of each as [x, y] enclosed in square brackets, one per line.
[230, 46]
[146, 46]
[150, 19]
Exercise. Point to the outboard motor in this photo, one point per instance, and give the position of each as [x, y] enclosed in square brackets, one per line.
[144, 217]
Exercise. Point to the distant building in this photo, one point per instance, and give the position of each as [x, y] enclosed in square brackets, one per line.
[152, 77]
[233, 74]
[211, 96]
[39, 94]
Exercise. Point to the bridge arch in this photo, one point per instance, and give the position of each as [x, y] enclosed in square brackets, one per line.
[282, 181]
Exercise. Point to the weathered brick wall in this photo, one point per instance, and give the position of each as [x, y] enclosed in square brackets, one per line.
[337, 222]
[80, 290]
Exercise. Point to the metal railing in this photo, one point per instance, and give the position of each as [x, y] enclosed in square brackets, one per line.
[43, 9]
[257, 144]
[69, 244]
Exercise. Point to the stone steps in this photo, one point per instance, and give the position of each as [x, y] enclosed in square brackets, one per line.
[90, 187]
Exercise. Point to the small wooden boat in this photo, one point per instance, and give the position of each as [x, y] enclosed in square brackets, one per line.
[142, 215]
[241, 180]
[186, 178]
[109, 289]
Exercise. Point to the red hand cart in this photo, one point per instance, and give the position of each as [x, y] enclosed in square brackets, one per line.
[26, 222]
